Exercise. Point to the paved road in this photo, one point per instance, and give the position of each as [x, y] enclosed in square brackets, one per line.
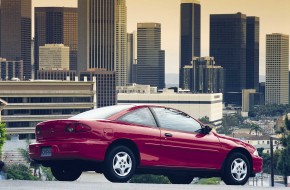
[92, 181]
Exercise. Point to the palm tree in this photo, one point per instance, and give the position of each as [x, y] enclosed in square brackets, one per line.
[256, 128]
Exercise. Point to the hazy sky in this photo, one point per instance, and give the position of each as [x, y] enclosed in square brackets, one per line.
[274, 18]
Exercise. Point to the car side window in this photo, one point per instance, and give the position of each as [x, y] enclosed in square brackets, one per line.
[176, 120]
[142, 116]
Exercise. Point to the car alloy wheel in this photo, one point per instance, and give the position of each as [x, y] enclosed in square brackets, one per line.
[122, 164]
[236, 169]
[239, 169]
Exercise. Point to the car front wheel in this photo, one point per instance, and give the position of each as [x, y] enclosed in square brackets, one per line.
[237, 169]
[65, 173]
[120, 164]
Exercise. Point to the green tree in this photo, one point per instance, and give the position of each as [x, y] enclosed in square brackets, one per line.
[284, 161]
[205, 120]
[2, 136]
[256, 128]
[19, 172]
[228, 124]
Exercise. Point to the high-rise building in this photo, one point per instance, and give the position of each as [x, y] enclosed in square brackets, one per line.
[252, 59]
[189, 34]
[56, 25]
[151, 59]
[103, 37]
[15, 32]
[277, 68]
[203, 76]
[53, 56]
[234, 42]
[105, 86]
[132, 57]
[121, 42]
[10, 70]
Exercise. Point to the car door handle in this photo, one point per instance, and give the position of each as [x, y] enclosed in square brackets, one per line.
[168, 135]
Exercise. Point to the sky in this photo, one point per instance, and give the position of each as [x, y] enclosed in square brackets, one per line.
[274, 15]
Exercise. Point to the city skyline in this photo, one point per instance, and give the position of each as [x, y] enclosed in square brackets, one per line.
[168, 16]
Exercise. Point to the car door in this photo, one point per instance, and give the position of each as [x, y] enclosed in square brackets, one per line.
[140, 126]
[183, 144]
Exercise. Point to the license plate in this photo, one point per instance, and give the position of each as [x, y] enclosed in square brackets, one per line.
[45, 151]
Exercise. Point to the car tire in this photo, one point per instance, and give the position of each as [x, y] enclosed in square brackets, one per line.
[236, 169]
[65, 173]
[180, 179]
[120, 164]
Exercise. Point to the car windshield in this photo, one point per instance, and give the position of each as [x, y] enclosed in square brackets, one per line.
[102, 113]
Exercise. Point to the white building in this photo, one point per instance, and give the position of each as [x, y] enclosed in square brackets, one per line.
[137, 88]
[2, 105]
[53, 56]
[196, 105]
[277, 69]
[263, 142]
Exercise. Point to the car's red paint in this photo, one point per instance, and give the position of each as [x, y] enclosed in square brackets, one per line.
[181, 150]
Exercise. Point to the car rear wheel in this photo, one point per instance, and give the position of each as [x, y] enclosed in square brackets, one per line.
[120, 164]
[237, 169]
[65, 173]
[180, 179]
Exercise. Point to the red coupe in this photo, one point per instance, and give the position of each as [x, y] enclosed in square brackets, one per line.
[124, 140]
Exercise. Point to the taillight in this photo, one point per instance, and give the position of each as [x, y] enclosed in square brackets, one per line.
[77, 128]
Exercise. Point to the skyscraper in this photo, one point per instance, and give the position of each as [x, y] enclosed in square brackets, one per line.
[151, 59]
[277, 69]
[132, 57]
[121, 42]
[234, 42]
[97, 35]
[203, 76]
[102, 36]
[252, 60]
[56, 25]
[15, 33]
[189, 34]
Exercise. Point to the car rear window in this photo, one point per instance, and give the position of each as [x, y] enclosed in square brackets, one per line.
[102, 113]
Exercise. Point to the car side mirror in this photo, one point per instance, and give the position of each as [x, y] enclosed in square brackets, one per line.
[206, 129]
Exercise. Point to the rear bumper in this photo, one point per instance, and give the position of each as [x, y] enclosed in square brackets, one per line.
[64, 150]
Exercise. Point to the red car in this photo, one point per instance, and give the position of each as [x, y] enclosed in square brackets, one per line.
[124, 140]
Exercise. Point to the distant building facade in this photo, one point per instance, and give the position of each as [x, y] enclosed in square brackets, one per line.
[234, 43]
[253, 50]
[15, 32]
[196, 105]
[137, 88]
[248, 99]
[120, 42]
[105, 85]
[54, 56]
[56, 25]
[132, 57]
[151, 59]
[190, 34]
[11, 70]
[277, 69]
[51, 74]
[203, 76]
[35, 101]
